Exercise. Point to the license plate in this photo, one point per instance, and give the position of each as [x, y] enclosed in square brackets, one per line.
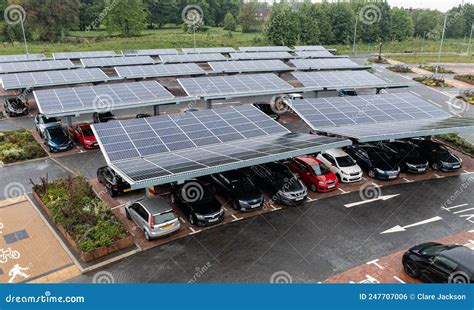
[392, 176]
[299, 198]
[213, 220]
[254, 206]
[331, 186]
[63, 148]
[127, 190]
[166, 227]
[420, 169]
[456, 167]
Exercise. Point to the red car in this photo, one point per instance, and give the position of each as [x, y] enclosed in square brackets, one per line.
[83, 134]
[314, 174]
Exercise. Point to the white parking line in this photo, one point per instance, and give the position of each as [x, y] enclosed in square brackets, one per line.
[118, 207]
[432, 102]
[311, 199]
[387, 79]
[470, 209]
[455, 207]
[274, 208]
[471, 231]
[181, 219]
[374, 262]
[414, 93]
[375, 184]
[438, 176]
[194, 231]
[408, 181]
[342, 191]
[236, 218]
[399, 280]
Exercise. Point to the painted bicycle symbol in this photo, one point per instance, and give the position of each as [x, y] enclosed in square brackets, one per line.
[6, 254]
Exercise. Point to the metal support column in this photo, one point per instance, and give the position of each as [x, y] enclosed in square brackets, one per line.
[69, 121]
[156, 110]
[209, 103]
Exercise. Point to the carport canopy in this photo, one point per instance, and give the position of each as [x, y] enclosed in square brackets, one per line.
[175, 148]
[371, 118]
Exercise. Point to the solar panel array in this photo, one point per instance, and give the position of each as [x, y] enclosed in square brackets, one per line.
[339, 79]
[321, 64]
[100, 97]
[249, 66]
[165, 148]
[261, 55]
[159, 70]
[204, 50]
[28, 66]
[79, 55]
[151, 52]
[316, 54]
[309, 48]
[234, 85]
[181, 58]
[365, 109]
[50, 78]
[265, 49]
[116, 61]
[22, 57]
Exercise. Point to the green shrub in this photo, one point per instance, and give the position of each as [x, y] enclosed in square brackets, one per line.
[458, 141]
[433, 69]
[19, 145]
[431, 81]
[400, 69]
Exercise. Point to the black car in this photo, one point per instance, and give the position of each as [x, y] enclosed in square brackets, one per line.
[113, 182]
[439, 263]
[239, 188]
[102, 117]
[438, 155]
[57, 139]
[267, 108]
[142, 115]
[407, 156]
[198, 203]
[15, 107]
[280, 183]
[346, 92]
[375, 161]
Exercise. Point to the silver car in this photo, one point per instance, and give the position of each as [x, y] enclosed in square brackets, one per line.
[154, 216]
[42, 122]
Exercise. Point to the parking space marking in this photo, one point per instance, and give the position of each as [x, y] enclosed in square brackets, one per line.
[182, 220]
[311, 199]
[438, 176]
[432, 102]
[375, 184]
[454, 207]
[408, 181]
[399, 280]
[342, 191]
[274, 208]
[375, 262]
[236, 218]
[118, 207]
[415, 93]
[194, 231]
[470, 209]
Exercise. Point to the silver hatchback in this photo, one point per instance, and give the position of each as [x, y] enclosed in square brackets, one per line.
[154, 216]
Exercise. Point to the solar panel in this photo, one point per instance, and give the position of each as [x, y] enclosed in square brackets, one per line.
[180, 58]
[249, 66]
[339, 79]
[22, 57]
[326, 64]
[366, 109]
[160, 70]
[79, 55]
[204, 50]
[309, 48]
[235, 85]
[318, 54]
[29, 66]
[116, 61]
[77, 100]
[264, 49]
[51, 78]
[261, 55]
[167, 148]
[151, 52]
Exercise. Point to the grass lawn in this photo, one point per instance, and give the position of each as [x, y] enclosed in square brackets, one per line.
[424, 59]
[19, 145]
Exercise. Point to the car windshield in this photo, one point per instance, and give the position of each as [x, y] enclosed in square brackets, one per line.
[163, 217]
[50, 120]
[57, 132]
[433, 250]
[87, 132]
[242, 183]
[345, 161]
[320, 169]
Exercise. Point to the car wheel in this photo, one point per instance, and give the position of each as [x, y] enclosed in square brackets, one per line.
[147, 236]
[372, 173]
[411, 269]
[236, 206]
[191, 219]
[313, 187]
[112, 193]
[128, 214]
[435, 166]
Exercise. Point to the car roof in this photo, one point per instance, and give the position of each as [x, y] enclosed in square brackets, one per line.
[461, 255]
[233, 174]
[155, 205]
[309, 160]
[336, 153]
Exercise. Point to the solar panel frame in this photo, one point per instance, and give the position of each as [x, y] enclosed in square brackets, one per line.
[159, 70]
[185, 58]
[87, 99]
[317, 54]
[206, 50]
[22, 58]
[116, 61]
[246, 49]
[235, 86]
[309, 48]
[260, 55]
[327, 64]
[239, 66]
[340, 79]
[79, 55]
[30, 66]
[52, 78]
[150, 52]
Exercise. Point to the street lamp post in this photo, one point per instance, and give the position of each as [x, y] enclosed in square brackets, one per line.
[355, 36]
[470, 38]
[441, 44]
[24, 35]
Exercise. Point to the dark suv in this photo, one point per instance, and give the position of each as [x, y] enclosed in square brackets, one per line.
[198, 203]
[102, 117]
[113, 182]
[57, 139]
[438, 155]
[280, 183]
[407, 156]
[375, 161]
[15, 107]
[237, 187]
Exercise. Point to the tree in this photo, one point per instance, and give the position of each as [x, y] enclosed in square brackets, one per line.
[455, 25]
[342, 20]
[402, 25]
[229, 22]
[248, 17]
[161, 12]
[127, 17]
[322, 14]
[308, 32]
[282, 26]
[89, 13]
